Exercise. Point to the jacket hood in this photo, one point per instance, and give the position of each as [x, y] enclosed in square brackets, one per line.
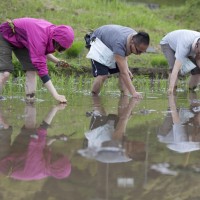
[64, 35]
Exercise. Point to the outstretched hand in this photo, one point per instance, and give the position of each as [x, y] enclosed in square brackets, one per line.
[60, 106]
[137, 95]
[62, 64]
[61, 98]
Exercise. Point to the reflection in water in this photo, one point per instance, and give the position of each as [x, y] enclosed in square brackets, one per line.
[30, 156]
[180, 130]
[155, 171]
[106, 141]
[5, 136]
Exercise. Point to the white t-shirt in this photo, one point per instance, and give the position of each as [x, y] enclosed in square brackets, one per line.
[181, 42]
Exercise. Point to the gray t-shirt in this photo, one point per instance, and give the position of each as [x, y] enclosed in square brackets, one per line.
[114, 37]
[181, 42]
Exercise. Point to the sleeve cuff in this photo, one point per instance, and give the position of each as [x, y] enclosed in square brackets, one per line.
[45, 78]
[44, 125]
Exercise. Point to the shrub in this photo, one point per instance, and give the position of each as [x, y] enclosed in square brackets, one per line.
[75, 50]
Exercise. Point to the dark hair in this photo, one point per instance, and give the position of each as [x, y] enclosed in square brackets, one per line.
[198, 42]
[142, 38]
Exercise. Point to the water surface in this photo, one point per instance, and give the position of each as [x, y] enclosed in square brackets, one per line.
[101, 148]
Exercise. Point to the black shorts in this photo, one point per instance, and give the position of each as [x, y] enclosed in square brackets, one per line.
[195, 71]
[97, 121]
[100, 69]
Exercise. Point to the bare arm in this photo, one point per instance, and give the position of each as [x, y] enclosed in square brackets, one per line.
[124, 73]
[172, 105]
[52, 58]
[174, 75]
[59, 63]
[49, 117]
[126, 106]
[49, 85]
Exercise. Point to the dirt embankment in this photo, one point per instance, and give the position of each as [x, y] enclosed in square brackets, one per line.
[150, 72]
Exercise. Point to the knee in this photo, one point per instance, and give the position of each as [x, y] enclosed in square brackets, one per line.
[31, 74]
[102, 78]
[6, 75]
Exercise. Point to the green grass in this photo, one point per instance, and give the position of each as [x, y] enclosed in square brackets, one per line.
[84, 15]
[158, 61]
[72, 85]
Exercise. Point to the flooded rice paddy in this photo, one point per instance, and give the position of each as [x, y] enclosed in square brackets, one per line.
[101, 148]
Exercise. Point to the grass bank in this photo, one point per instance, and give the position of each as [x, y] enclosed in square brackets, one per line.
[84, 15]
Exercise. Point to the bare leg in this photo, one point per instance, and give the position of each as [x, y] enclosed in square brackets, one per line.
[30, 119]
[30, 86]
[194, 81]
[97, 106]
[97, 84]
[123, 88]
[3, 78]
[3, 122]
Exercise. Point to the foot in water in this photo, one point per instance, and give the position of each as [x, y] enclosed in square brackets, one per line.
[30, 98]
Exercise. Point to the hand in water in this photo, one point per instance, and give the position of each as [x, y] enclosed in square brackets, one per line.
[61, 98]
[137, 95]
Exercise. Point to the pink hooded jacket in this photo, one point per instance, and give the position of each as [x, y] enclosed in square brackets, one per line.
[37, 36]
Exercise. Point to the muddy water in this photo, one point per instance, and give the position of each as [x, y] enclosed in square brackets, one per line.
[101, 148]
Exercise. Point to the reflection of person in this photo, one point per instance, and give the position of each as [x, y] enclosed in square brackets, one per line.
[106, 139]
[31, 40]
[31, 157]
[182, 51]
[180, 130]
[5, 135]
[195, 120]
[122, 42]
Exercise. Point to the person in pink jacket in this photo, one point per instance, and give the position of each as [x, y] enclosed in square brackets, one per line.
[32, 41]
[31, 155]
